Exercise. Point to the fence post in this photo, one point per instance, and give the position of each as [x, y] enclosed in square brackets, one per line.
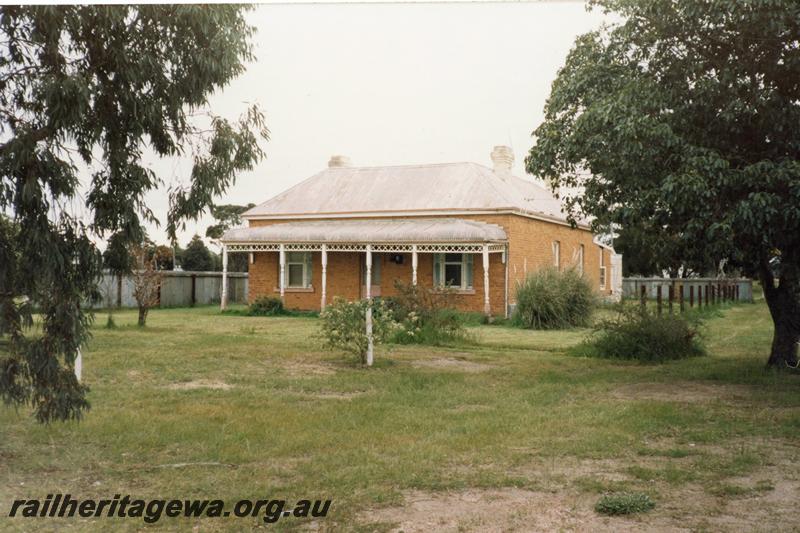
[680, 297]
[658, 298]
[691, 296]
[713, 296]
[643, 297]
[737, 291]
[707, 287]
[699, 296]
[194, 288]
[719, 293]
[670, 297]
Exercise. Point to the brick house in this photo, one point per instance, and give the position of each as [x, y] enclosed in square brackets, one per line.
[475, 229]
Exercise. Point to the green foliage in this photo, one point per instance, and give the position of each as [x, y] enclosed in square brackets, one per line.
[227, 216]
[197, 256]
[427, 316]
[97, 87]
[266, 306]
[686, 121]
[644, 336]
[343, 325]
[554, 299]
[622, 503]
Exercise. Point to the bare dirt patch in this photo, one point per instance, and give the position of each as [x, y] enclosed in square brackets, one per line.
[333, 395]
[681, 391]
[200, 384]
[495, 510]
[452, 363]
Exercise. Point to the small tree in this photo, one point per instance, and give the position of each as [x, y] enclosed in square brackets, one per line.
[146, 282]
[197, 256]
[344, 325]
[228, 216]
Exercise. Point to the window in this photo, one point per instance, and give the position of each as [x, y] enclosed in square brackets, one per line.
[375, 270]
[557, 254]
[297, 274]
[453, 270]
[577, 259]
[602, 269]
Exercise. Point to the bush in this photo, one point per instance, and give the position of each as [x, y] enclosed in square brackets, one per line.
[639, 334]
[426, 316]
[553, 299]
[344, 325]
[624, 503]
[266, 306]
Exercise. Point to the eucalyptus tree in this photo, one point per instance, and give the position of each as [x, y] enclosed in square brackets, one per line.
[89, 91]
[682, 120]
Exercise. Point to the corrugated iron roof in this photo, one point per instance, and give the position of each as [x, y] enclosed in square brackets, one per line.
[412, 188]
[403, 230]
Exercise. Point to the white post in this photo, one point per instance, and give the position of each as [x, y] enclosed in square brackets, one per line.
[324, 275]
[79, 365]
[370, 346]
[282, 260]
[223, 303]
[414, 263]
[487, 309]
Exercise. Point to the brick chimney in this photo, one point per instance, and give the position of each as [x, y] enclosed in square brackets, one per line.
[503, 159]
[337, 161]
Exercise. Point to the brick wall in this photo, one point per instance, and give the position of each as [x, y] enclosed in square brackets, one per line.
[530, 248]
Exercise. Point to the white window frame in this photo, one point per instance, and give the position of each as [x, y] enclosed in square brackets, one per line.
[305, 261]
[466, 262]
[557, 254]
[602, 270]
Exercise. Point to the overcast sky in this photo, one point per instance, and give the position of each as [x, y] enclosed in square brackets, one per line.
[390, 84]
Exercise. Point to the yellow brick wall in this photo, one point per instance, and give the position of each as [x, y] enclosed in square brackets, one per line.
[530, 247]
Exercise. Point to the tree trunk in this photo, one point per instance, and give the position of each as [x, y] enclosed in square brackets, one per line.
[784, 307]
[142, 315]
[119, 290]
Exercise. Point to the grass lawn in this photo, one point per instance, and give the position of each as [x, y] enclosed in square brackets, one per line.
[509, 434]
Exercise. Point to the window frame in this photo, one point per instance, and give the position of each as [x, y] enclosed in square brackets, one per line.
[602, 269]
[557, 254]
[467, 262]
[304, 262]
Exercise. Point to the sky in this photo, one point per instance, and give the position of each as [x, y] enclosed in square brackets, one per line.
[388, 84]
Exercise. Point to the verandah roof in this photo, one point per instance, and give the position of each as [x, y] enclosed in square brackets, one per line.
[407, 231]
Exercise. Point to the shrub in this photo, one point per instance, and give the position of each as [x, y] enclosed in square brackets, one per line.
[639, 334]
[624, 503]
[344, 325]
[266, 306]
[553, 299]
[426, 316]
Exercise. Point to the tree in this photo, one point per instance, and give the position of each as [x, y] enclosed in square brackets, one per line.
[117, 260]
[197, 256]
[228, 216]
[97, 86]
[163, 257]
[686, 115]
[147, 278]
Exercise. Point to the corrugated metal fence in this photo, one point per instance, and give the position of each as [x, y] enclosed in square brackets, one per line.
[179, 289]
[632, 287]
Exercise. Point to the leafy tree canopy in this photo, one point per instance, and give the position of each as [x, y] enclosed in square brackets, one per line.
[227, 216]
[683, 121]
[97, 86]
[197, 256]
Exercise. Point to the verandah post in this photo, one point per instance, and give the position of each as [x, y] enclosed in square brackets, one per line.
[370, 345]
[324, 283]
[414, 263]
[282, 281]
[223, 301]
[487, 309]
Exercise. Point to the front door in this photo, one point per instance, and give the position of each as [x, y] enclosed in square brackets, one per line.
[375, 288]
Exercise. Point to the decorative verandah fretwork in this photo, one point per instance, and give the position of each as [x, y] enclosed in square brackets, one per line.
[414, 249]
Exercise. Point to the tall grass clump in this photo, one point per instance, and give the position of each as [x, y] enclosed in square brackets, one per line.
[636, 333]
[554, 299]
